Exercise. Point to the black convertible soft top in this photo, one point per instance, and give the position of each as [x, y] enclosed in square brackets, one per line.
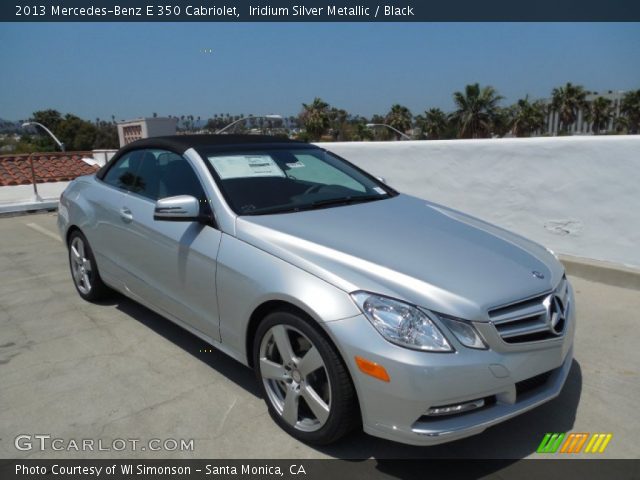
[181, 143]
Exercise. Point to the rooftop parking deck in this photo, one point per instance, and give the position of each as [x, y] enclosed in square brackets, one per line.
[76, 370]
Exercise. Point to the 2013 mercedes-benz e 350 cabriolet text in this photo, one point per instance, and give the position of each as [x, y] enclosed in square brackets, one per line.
[355, 305]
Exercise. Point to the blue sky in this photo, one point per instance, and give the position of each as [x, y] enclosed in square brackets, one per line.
[134, 69]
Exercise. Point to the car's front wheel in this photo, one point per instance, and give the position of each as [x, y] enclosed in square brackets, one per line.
[304, 381]
[84, 270]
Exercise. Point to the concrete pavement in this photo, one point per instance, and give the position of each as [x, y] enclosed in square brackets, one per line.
[76, 370]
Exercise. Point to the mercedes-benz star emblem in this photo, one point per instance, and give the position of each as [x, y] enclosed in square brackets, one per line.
[537, 274]
[554, 314]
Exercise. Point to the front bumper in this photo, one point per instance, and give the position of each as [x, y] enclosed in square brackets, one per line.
[419, 380]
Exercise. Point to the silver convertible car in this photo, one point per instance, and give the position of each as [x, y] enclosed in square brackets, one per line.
[356, 306]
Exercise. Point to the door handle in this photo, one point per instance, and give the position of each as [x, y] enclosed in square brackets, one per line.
[126, 215]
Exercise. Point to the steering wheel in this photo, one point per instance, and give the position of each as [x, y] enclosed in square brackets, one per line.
[313, 189]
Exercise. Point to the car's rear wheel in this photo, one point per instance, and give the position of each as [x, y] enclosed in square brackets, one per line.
[304, 381]
[84, 270]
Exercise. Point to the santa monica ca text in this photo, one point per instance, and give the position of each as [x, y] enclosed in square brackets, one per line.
[142, 469]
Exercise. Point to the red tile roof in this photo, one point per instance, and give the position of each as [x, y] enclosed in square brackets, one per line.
[49, 167]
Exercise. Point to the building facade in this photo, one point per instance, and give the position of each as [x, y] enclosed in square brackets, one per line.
[131, 130]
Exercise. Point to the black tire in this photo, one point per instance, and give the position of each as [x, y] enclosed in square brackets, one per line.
[344, 413]
[97, 290]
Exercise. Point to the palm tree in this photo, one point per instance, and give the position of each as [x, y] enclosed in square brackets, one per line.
[381, 134]
[337, 119]
[568, 101]
[361, 131]
[400, 118]
[528, 117]
[315, 118]
[434, 123]
[476, 111]
[630, 110]
[599, 113]
[502, 121]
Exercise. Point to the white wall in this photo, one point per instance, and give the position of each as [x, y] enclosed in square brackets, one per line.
[18, 198]
[103, 156]
[576, 195]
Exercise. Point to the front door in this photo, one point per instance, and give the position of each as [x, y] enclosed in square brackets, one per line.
[171, 265]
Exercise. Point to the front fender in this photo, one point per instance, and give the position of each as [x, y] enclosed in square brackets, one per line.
[247, 277]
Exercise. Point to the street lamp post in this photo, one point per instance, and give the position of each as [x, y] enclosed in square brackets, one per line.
[33, 171]
[404, 135]
[272, 117]
[55, 139]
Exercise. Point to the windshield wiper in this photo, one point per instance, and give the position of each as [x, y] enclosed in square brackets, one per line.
[268, 210]
[317, 204]
[345, 200]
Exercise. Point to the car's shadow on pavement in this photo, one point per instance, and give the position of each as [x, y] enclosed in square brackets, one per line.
[509, 441]
[222, 363]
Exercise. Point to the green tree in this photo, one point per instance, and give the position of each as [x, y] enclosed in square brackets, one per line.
[567, 101]
[360, 131]
[315, 117]
[106, 136]
[599, 113]
[76, 133]
[400, 118]
[434, 123]
[476, 111]
[379, 133]
[502, 121]
[527, 117]
[630, 111]
[49, 118]
[338, 123]
[41, 141]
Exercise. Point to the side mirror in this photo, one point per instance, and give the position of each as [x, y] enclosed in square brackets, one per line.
[181, 208]
[381, 179]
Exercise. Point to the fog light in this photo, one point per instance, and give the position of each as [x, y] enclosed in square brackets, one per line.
[453, 409]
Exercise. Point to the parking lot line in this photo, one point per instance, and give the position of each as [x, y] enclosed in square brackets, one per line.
[43, 231]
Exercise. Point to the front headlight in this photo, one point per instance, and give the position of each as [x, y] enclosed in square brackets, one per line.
[401, 323]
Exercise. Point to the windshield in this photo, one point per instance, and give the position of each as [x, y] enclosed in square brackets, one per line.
[267, 181]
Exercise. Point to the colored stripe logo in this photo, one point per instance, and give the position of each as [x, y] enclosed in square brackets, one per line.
[550, 443]
[598, 442]
[574, 442]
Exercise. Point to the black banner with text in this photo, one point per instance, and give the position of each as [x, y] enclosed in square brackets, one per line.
[317, 11]
[583, 469]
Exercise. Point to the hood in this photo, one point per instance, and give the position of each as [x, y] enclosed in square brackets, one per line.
[411, 249]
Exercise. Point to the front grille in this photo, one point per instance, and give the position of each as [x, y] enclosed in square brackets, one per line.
[530, 320]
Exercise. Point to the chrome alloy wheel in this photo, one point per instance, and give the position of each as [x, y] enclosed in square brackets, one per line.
[81, 267]
[295, 378]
